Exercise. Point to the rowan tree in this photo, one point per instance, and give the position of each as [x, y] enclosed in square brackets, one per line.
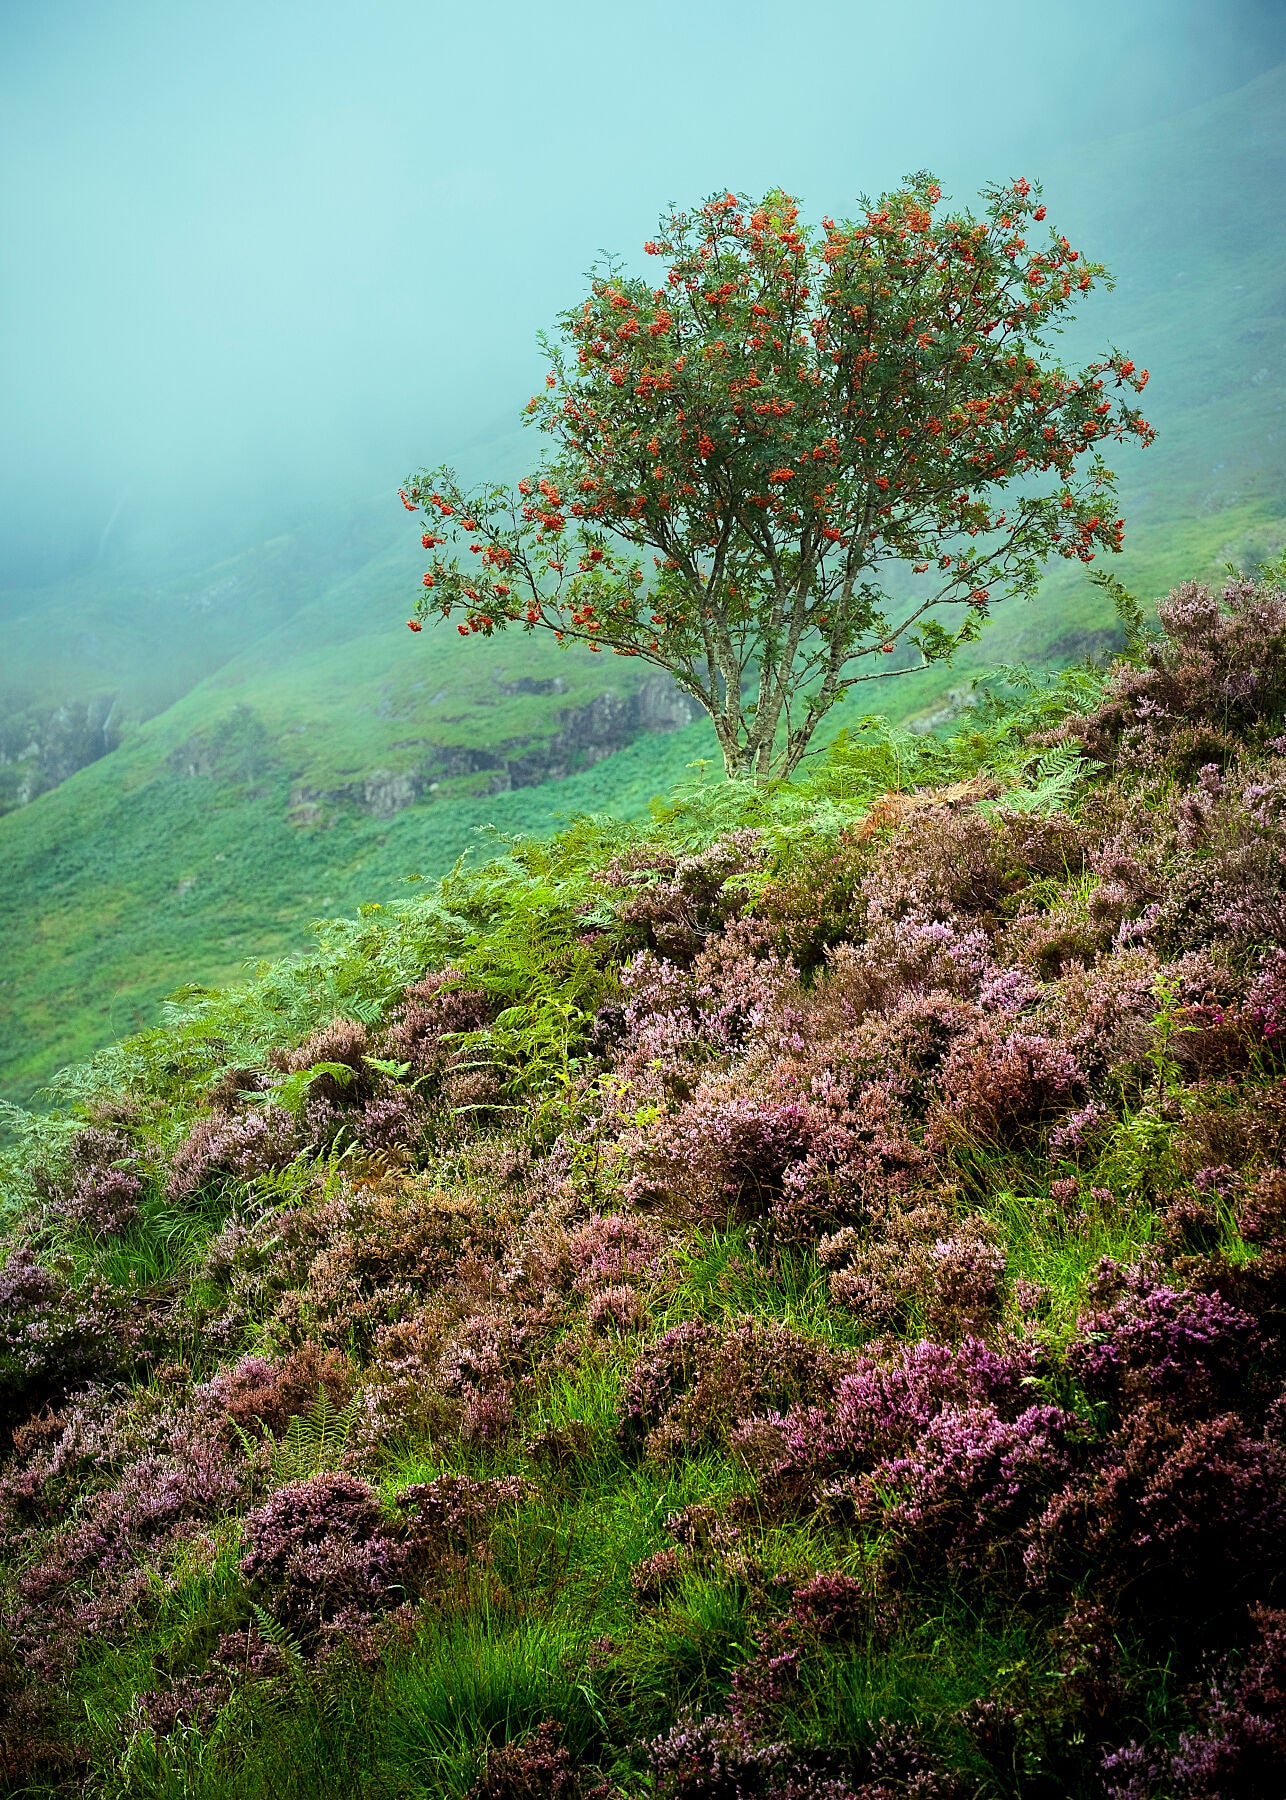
[804, 450]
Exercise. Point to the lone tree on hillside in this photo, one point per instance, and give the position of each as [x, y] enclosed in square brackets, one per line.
[748, 452]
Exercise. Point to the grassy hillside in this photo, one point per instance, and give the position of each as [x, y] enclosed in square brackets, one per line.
[783, 1300]
[315, 702]
[190, 849]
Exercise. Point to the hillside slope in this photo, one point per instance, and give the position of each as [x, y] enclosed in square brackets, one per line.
[783, 1302]
[195, 844]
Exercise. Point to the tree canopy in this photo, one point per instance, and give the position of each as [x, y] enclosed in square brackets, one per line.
[803, 451]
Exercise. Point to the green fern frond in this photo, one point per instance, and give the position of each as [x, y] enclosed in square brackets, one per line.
[1051, 781]
[292, 1651]
[314, 1440]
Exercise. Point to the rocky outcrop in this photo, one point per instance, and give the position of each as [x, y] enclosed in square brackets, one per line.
[40, 749]
[583, 735]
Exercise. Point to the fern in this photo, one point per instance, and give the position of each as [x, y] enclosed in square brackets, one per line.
[292, 1091]
[1054, 778]
[289, 1648]
[314, 1440]
[1133, 617]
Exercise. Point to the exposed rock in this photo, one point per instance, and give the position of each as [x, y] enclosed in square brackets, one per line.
[40, 749]
[583, 736]
[238, 748]
[533, 684]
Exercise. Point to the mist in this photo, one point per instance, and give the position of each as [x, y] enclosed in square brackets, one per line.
[263, 258]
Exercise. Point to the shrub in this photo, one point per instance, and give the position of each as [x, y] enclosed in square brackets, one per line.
[1154, 1341]
[242, 1145]
[881, 1409]
[619, 1247]
[971, 1483]
[671, 905]
[536, 1767]
[696, 1380]
[256, 1394]
[917, 1261]
[321, 1551]
[1240, 1749]
[1220, 662]
[102, 1196]
[56, 1336]
[1001, 1086]
[1173, 1516]
[93, 1577]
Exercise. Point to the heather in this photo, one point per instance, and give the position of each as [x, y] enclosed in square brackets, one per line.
[783, 1298]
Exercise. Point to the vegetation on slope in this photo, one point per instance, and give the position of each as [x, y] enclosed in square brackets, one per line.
[210, 837]
[782, 1298]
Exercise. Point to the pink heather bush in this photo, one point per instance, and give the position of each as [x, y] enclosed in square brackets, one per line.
[674, 903]
[55, 1336]
[616, 1309]
[444, 1377]
[724, 1758]
[536, 1767]
[343, 1041]
[1078, 1130]
[340, 1270]
[999, 1087]
[913, 954]
[92, 1577]
[921, 1263]
[430, 1012]
[1241, 1748]
[1153, 1341]
[723, 1155]
[945, 864]
[1172, 1516]
[971, 1484]
[832, 1606]
[620, 1247]
[241, 1145]
[392, 1122]
[100, 1196]
[104, 1202]
[452, 1514]
[879, 1410]
[433, 1013]
[329, 1560]
[677, 1018]
[794, 1152]
[322, 1555]
[1221, 658]
[1266, 1000]
[259, 1396]
[1227, 895]
[400, 1397]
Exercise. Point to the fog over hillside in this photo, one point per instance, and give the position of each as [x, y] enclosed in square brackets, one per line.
[261, 259]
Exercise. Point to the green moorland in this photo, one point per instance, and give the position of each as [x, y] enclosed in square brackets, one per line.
[781, 1297]
[241, 808]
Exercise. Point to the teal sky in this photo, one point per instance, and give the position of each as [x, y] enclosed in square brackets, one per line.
[261, 251]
